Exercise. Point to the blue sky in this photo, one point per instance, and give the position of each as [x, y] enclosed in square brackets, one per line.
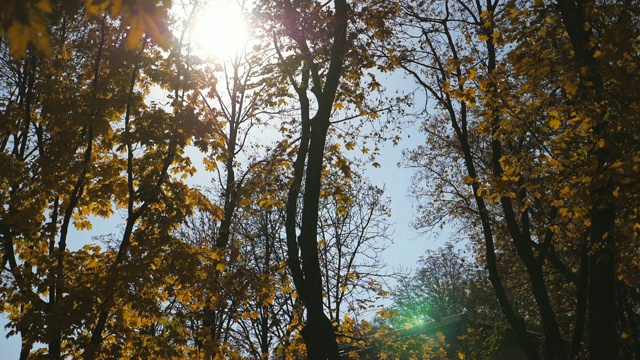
[408, 245]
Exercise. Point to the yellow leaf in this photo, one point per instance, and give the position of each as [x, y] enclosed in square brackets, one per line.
[136, 29]
[19, 35]
[616, 191]
[483, 37]
[446, 86]
[384, 314]
[472, 74]
[570, 88]
[214, 255]
[221, 267]
[557, 203]
[624, 335]
[140, 21]
[44, 6]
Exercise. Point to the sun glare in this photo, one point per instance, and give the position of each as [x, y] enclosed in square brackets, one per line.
[220, 31]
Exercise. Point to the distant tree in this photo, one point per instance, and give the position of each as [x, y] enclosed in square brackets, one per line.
[449, 282]
[353, 231]
[441, 286]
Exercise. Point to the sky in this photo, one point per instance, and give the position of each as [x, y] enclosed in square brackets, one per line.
[403, 253]
[408, 244]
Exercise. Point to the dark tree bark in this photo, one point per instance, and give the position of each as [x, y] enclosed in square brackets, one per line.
[602, 306]
[302, 250]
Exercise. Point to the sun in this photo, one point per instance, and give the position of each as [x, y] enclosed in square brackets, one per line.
[220, 31]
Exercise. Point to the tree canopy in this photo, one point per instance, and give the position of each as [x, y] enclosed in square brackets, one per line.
[529, 132]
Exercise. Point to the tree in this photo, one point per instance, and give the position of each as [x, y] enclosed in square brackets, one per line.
[26, 25]
[519, 128]
[353, 231]
[445, 284]
[315, 43]
[449, 282]
[591, 34]
[80, 116]
[532, 152]
[239, 98]
[82, 142]
[452, 62]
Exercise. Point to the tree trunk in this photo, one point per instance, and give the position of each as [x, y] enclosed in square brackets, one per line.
[318, 332]
[25, 349]
[602, 305]
[319, 337]
[602, 286]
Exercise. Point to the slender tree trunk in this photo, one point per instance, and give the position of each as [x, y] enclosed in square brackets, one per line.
[318, 332]
[582, 295]
[319, 337]
[25, 348]
[516, 322]
[603, 312]
[459, 121]
[514, 319]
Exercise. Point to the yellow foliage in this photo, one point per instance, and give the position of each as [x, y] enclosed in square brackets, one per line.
[20, 35]
[25, 22]
[467, 180]
[472, 74]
